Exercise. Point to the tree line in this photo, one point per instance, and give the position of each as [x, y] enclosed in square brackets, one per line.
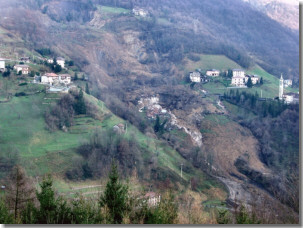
[21, 203]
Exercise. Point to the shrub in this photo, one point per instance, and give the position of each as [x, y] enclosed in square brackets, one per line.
[20, 94]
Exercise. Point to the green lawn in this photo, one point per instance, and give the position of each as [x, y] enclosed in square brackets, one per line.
[113, 10]
[23, 131]
[270, 88]
[219, 62]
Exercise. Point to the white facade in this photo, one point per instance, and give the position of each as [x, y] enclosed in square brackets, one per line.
[195, 77]
[288, 98]
[281, 88]
[287, 82]
[238, 73]
[153, 199]
[238, 81]
[23, 68]
[51, 61]
[213, 72]
[65, 78]
[51, 78]
[2, 64]
[140, 12]
[61, 62]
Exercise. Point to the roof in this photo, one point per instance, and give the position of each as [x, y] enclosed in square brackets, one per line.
[195, 73]
[60, 58]
[50, 75]
[237, 70]
[64, 75]
[213, 70]
[2, 59]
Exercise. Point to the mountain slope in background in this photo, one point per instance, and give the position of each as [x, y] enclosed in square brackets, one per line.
[285, 12]
[128, 58]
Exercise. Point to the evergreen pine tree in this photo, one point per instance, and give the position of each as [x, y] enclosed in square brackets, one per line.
[230, 73]
[87, 89]
[249, 83]
[48, 206]
[261, 81]
[115, 197]
[157, 124]
[57, 68]
[76, 77]
[80, 107]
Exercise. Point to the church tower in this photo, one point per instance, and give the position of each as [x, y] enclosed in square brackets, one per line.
[281, 86]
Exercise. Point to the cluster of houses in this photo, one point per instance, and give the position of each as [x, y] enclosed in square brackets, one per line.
[25, 69]
[152, 198]
[198, 77]
[288, 98]
[140, 12]
[240, 79]
[60, 61]
[57, 83]
[152, 107]
[53, 79]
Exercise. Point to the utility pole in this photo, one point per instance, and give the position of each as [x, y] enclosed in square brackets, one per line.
[181, 169]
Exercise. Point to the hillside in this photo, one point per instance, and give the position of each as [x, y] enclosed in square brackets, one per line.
[284, 11]
[40, 151]
[140, 107]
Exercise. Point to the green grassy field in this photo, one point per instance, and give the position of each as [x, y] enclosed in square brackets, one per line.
[23, 131]
[219, 62]
[108, 9]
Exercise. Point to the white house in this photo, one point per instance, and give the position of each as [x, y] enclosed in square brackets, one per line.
[195, 77]
[51, 61]
[61, 61]
[238, 81]
[23, 68]
[65, 78]
[238, 73]
[213, 72]
[52, 78]
[2, 64]
[288, 98]
[49, 78]
[140, 12]
[287, 83]
[254, 79]
[152, 198]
